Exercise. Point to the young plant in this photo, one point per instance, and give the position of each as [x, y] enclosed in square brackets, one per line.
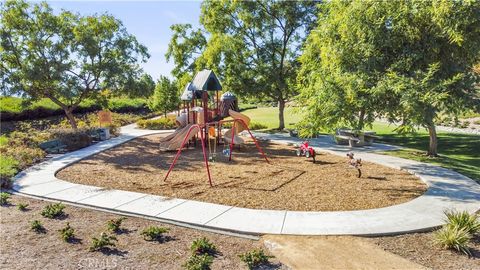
[67, 233]
[199, 262]
[463, 220]
[22, 206]
[102, 242]
[203, 246]
[114, 225]
[453, 237]
[154, 233]
[254, 258]
[37, 226]
[53, 210]
[4, 198]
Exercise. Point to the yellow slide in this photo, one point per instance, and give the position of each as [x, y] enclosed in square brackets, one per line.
[239, 127]
[174, 141]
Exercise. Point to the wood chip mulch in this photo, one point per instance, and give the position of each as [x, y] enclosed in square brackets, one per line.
[289, 182]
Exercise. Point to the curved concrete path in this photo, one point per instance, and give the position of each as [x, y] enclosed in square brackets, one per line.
[447, 190]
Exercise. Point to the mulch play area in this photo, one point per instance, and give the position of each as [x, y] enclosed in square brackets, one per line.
[289, 182]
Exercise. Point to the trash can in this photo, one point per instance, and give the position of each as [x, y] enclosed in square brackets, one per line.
[104, 134]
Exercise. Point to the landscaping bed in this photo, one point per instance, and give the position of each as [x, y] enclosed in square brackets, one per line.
[290, 182]
[420, 248]
[23, 248]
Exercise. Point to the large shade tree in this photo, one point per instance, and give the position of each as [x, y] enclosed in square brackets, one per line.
[65, 57]
[252, 45]
[407, 61]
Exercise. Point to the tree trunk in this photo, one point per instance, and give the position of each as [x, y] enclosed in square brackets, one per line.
[432, 147]
[71, 119]
[361, 120]
[281, 118]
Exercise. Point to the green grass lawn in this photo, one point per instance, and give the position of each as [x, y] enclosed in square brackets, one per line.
[459, 152]
[268, 116]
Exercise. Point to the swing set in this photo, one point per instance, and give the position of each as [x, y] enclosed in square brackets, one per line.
[206, 123]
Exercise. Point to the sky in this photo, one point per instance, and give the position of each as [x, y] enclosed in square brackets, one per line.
[149, 21]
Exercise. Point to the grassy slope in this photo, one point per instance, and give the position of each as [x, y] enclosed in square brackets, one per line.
[459, 152]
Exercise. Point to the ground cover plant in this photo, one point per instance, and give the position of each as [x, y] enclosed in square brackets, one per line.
[22, 206]
[67, 233]
[37, 226]
[114, 225]
[53, 211]
[103, 242]
[154, 233]
[4, 198]
[160, 123]
[255, 258]
[199, 262]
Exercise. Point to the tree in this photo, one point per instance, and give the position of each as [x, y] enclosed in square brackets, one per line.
[142, 87]
[66, 57]
[408, 61]
[251, 45]
[165, 97]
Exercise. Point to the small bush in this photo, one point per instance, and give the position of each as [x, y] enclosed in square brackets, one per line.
[114, 225]
[256, 126]
[154, 233]
[453, 237]
[4, 198]
[199, 262]
[8, 168]
[203, 246]
[254, 258]
[68, 233]
[22, 206]
[53, 210]
[160, 123]
[73, 139]
[463, 220]
[37, 226]
[102, 242]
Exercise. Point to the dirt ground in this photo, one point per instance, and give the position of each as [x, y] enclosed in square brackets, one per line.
[21, 248]
[289, 182]
[420, 248]
[333, 252]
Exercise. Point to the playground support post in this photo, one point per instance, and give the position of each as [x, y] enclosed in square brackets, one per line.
[180, 151]
[251, 135]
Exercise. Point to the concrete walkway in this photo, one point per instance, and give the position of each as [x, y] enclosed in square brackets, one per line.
[447, 190]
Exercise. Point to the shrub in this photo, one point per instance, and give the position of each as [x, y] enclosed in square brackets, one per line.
[463, 220]
[159, 123]
[73, 139]
[254, 258]
[203, 246]
[256, 126]
[67, 233]
[102, 242]
[53, 210]
[453, 237]
[37, 226]
[8, 167]
[114, 225]
[22, 206]
[199, 262]
[4, 198]
[154, 233]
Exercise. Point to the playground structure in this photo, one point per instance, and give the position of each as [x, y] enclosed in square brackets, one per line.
[202, 118]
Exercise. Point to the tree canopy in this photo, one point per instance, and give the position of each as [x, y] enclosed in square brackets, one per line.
[165, 98]
[65, 57]
[407, 61]
[252, 45]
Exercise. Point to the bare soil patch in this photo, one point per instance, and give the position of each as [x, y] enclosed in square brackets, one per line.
[22, 248]
[420, 248]
[289, 182]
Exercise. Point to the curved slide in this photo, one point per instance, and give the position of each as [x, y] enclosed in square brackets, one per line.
[239, 127]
